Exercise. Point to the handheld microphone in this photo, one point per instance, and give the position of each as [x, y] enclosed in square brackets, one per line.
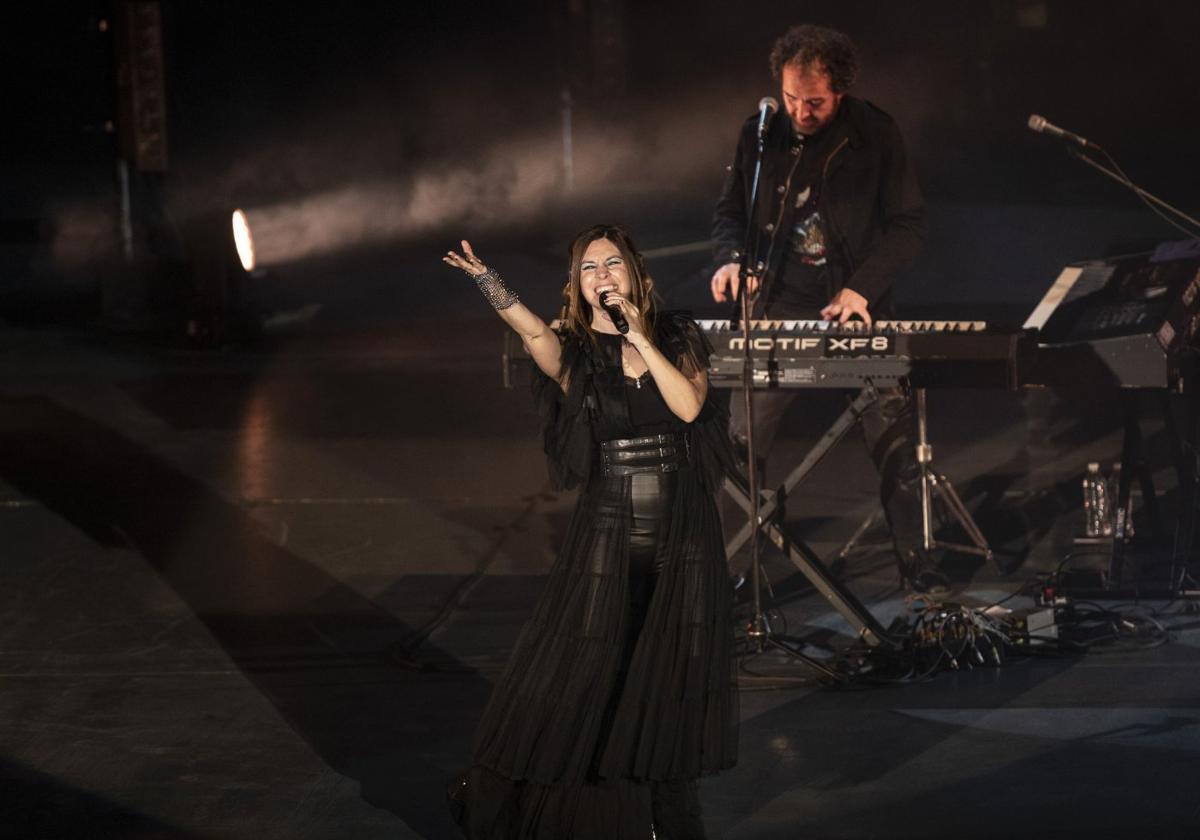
[767, 106]
[614, 312]
[1039, 124]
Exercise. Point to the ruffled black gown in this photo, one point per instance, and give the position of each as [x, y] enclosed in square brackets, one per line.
[620, 690]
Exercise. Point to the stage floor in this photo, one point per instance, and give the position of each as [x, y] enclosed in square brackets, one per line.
[262, 592]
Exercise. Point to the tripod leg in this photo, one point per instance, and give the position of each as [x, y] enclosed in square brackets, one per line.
[931, 481]
[950, 496]
[821, 669]
[852, 543]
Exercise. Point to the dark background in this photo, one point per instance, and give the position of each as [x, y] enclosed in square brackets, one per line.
[365, 138]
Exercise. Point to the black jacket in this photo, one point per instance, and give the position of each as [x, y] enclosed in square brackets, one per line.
[872, 207]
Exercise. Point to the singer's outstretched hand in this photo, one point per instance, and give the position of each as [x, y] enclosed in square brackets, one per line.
[541, 342]
[469, 263]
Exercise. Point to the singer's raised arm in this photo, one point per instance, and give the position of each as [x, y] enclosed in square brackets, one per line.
[541, 342]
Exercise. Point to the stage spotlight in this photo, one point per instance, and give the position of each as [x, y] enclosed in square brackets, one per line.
[243, 240]
[219, 302]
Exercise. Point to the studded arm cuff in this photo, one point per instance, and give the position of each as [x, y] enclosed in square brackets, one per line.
[493, 288]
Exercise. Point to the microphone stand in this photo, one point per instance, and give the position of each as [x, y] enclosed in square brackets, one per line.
[1122, 179]
[758, 632]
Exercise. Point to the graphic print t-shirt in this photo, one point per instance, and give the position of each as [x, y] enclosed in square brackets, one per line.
[807, 283]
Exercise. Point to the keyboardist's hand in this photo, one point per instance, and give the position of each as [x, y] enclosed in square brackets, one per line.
[845, 305]
[726, 281]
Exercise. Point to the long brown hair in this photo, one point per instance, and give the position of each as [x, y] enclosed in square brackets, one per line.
[576, 314]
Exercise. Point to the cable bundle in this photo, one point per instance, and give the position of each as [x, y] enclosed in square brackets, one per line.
[957, 637]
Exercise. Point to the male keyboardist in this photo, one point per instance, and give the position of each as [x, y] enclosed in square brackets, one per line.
[839, 212]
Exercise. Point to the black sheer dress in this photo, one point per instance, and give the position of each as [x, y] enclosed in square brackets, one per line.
[620, 691]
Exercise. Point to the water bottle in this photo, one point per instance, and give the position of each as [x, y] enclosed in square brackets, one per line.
[1096, 508]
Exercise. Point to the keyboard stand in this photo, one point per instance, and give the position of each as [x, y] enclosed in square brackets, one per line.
[802, 556]
[807, 561]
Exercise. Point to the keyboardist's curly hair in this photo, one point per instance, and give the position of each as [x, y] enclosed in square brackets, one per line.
[807, 45]
[576, 314]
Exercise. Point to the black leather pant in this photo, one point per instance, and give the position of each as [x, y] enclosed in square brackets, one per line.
[676, 806]
[890, 431]
[651, 496]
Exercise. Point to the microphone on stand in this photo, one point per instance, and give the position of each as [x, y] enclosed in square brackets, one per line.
[614, 312]
[767, 106]
[1039, 124]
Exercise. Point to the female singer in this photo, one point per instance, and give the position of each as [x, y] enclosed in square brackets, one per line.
[620, 691]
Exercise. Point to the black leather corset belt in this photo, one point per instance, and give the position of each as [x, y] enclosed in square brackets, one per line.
[637, 456]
